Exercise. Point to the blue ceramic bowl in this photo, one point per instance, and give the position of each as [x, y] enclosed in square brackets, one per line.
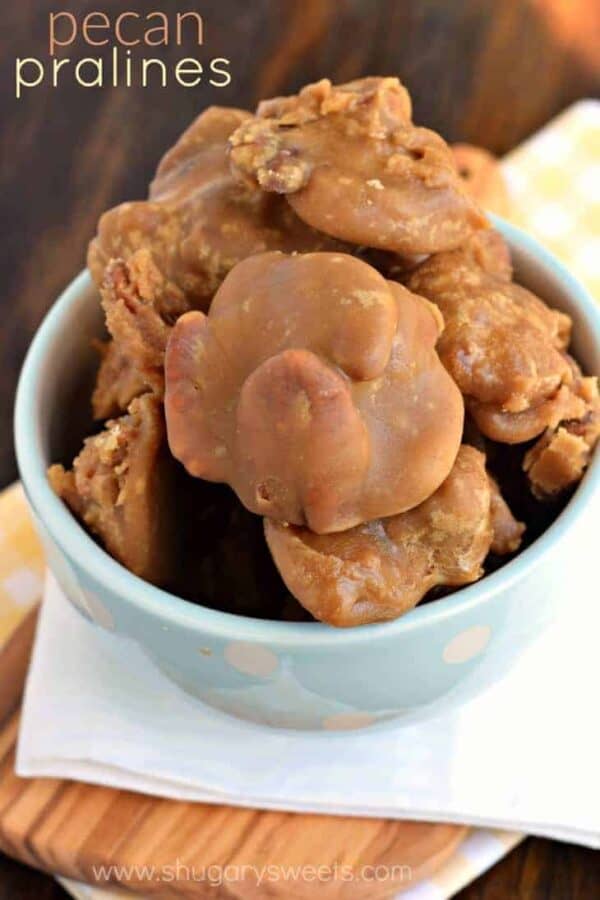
[300, 675]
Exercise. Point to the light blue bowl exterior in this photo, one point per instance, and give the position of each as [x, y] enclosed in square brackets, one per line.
[304, 675]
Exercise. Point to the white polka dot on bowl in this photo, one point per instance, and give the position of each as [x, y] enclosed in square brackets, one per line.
[467, 644]
[251, 659]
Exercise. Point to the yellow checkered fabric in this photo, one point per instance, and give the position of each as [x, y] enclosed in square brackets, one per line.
[21, 561]
[554, 181]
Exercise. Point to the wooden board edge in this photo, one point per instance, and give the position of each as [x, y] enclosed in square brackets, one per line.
[14, 661]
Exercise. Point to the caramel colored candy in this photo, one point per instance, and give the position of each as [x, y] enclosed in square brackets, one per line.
[135, 317]
[313, 388]
[559, 458]
[352, 164]
[482, 175]
[515, 428]
[120, 486]
[507, 532]
[381, 569]
[117, 382]
[198, 221]
[502, 345]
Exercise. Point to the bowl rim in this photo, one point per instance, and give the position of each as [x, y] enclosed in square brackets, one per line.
[100, 567]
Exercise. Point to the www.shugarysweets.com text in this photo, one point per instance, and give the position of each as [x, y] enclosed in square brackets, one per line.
[122, 51]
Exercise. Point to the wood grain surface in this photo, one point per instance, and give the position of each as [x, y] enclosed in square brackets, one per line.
[485, 71]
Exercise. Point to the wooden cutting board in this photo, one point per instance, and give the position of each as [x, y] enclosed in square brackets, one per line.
[68, 828]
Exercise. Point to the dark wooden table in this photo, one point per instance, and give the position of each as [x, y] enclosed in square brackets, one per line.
[486, 71]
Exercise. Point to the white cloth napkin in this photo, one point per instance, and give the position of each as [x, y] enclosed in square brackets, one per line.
[524, 755]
